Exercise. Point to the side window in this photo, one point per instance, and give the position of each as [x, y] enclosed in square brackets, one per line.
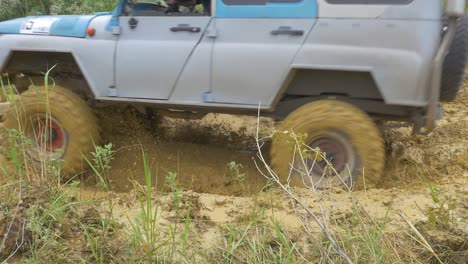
[266, 8]
[167, 8]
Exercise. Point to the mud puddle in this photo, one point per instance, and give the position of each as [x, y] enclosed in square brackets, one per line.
[198, 168]
[199, 151]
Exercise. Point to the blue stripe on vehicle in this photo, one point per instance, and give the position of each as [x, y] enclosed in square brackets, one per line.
[11, 26]
[70, 26]
[64, 26]
[303, 9]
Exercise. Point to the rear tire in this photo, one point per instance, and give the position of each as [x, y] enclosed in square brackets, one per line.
[350, 135]
[453, 70]
[72, 125]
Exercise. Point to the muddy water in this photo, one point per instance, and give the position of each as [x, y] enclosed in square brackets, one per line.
[198, 151]
[199, 168]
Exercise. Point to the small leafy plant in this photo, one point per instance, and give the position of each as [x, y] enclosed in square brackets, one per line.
[442, 211]
[175, 189]
[235, 170]
[101, 163]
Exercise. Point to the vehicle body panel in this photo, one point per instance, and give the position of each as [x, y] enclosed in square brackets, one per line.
[95, 56]
[250, 66]
[383, 9]
[400, 68]
[195, 80]
[150, 58]
[63, 26]
[11, 26]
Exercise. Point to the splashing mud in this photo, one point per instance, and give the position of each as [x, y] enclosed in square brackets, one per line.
[440, 157]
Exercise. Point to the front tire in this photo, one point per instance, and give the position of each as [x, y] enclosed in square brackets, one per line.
[349, 137]
[59, 124]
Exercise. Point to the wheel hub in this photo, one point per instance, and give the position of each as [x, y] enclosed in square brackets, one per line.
[335, 154]
[49, 138]
[338, 165]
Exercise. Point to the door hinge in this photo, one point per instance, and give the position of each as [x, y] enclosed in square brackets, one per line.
[116, 30]
[208, 97]
[211, 31]
[111, 91]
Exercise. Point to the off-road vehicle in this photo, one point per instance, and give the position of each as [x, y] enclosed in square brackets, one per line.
[329, 68]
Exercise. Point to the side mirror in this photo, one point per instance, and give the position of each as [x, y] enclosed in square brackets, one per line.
[455, 8]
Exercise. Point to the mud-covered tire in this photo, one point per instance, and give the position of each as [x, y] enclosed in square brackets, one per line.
[319, 118]
[453, 70]
[67, 109]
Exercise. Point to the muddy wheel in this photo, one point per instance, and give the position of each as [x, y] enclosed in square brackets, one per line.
[352, 143]
[453, 71]
[64, 134]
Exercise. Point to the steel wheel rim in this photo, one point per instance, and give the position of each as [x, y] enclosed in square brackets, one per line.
[339, 152]
[49, 139]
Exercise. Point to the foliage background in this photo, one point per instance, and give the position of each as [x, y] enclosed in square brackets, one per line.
[19, 8]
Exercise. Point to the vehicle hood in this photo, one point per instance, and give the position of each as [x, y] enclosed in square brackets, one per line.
[65, 26]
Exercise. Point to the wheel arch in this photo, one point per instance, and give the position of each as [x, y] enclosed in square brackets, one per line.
[24, 66]
[356, 86]
[353, 83]
[315, 82]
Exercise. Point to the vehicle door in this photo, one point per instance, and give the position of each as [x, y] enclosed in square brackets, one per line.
[256, 41]
[153, 48]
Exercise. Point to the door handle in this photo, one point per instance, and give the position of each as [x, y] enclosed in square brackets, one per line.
[132, 23]
[287, 31]
[185, 28]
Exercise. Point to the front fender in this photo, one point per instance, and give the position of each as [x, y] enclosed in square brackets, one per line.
[95, 58]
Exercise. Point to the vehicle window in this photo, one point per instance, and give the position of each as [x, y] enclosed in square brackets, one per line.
[266, 8]
[167, 8]
[159, 2]
[257, 2]
[148, 1]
